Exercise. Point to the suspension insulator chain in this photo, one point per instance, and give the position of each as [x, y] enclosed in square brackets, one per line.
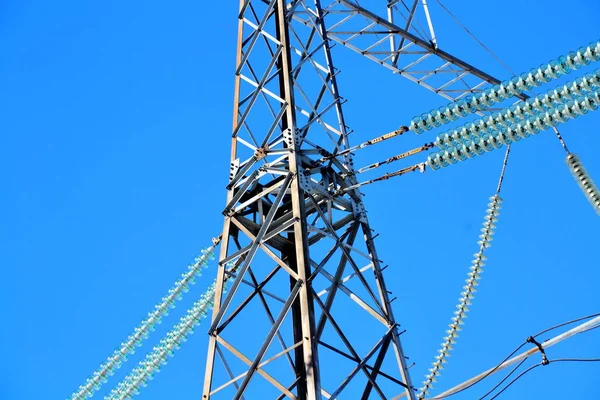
[151, 364]
[395, 158]
[371, 142]
[488, 140]
[585, 182]
[389, 175]
[519, 112]
[142, 331]
[513, 87]
[467, 295]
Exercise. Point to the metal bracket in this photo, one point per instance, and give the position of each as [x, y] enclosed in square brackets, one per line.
[359, 210]
[233, 168]
[292, 140]
[531, 339]
[305, 182]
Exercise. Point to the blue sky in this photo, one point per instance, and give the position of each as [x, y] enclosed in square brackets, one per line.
[115, 129]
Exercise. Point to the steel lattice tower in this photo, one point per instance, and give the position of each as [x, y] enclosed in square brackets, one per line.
[300, 305]
[298, 266]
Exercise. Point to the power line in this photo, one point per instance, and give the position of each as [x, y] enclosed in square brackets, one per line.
[592, 323]
[503, 380]
[549, 362]
[516, 379]
[475, 38]
[569, 323]
[442, 396]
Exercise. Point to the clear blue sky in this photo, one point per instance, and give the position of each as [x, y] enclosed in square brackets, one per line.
[115, 123]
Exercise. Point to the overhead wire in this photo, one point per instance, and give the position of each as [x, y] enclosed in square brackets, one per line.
[575, 360]
[567, 323]
[516, 379]
[475, 38]
[557, 360]
[512, 371]
[485, 375]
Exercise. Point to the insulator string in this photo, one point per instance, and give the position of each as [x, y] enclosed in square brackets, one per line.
[584, 180]
[467, 295]
[513, 87]
[520, 112]
[476, 141]
[141, 332]
[151, 364]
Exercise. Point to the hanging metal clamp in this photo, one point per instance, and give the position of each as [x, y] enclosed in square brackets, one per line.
[545, 360]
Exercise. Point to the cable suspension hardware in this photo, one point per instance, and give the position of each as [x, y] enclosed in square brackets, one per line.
[585, 182]
[412, 168]
[371, 142]
[513, 87]
[141, 332]
[476, 269]
[477, 141]
[159, 355]
[390, 160]
[517, 112]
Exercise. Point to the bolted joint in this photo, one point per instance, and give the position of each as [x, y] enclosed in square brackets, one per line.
[291, 139]
[305, 182]
[261, 153]
[233, 168]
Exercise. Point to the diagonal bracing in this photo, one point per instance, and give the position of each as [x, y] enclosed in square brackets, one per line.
[317, 323]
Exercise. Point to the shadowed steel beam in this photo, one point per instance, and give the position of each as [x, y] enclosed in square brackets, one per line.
[236, 283]
[268, 340]
[288, 223]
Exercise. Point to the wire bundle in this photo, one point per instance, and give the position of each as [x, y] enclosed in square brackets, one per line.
[159, 355]
[585, 182]
[477, 140]
[513, 87]
[467, 295]
[142, 331]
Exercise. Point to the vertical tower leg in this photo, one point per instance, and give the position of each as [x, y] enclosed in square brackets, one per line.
[303, 317]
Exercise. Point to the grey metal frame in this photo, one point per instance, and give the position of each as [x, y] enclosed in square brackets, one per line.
[294, 213]
[405, 53]
[286, 207]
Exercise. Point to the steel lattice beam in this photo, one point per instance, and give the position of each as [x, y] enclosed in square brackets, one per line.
[297, 243]
[403, 52]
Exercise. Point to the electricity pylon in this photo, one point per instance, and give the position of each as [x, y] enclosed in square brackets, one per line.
[301, 302]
